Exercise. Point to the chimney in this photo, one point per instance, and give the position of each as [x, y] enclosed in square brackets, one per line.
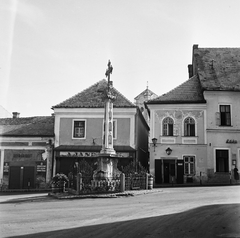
[190, 70]
[15, 114]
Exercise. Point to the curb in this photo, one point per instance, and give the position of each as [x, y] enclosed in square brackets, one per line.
[112, 195]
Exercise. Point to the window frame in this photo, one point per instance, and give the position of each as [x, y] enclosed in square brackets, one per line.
[73, 128]
[188, 164]
[187, 127]
[167, 129]
[221, 115]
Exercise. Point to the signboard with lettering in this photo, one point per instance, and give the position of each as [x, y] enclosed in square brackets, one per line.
[228, 141]
[91, 154]
[41, 167]
[5, 167]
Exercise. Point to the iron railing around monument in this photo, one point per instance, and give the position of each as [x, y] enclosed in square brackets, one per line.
[136, 181]
[87, 185]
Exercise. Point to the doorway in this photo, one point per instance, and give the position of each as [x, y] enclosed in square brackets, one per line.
[21, 177]
[222, 161]
[169, 171]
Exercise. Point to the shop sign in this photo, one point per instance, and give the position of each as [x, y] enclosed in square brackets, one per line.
[21, 157]
[90, 154]
[5, 167]
[41, 167]
[228, 141]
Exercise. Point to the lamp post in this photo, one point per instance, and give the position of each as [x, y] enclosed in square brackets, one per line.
[154, 141]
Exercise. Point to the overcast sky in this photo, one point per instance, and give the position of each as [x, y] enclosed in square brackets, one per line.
[51, 50]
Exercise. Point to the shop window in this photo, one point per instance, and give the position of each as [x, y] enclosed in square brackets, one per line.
[189, 127]
[189, 165]
[79, 129]
[167, 126]
[225, 115]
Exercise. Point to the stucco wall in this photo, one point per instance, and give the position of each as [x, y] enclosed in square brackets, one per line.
[93, 130]
[178, 117]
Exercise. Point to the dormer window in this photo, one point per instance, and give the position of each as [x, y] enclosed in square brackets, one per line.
[167, 126]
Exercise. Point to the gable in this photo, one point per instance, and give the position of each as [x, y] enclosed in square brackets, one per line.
[93, 97]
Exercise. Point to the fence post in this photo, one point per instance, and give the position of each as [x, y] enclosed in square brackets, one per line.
[79, 183]
[146, 174]
[122, 182]
[200, 178]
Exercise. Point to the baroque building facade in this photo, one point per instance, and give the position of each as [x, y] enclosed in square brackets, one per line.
[196, 127]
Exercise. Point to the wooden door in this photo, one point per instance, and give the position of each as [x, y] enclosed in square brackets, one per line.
[158, 171]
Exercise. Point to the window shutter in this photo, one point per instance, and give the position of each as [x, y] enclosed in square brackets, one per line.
[217, 114]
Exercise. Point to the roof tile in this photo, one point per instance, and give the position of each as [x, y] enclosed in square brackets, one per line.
[218, 68]
[92, 97]
[188, 92]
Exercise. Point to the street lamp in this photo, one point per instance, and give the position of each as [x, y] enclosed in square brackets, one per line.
[154, 141]
[168, 151]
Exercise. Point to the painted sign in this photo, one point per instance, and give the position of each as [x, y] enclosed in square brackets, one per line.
[231, 141]
[41, 167]
[5, 167]
[91, 154]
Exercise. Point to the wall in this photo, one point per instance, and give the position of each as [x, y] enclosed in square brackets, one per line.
[93, 130]
[219, 135]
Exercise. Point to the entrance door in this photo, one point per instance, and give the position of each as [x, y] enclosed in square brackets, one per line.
[14, 177]
[28, 177]
[169, 171]
[158, 171]
[166, 172]
[180, 171]
[222, 161]
[21, 177]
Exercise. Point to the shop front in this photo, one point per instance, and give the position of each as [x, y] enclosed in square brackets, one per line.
[69, 158]
[24, 169]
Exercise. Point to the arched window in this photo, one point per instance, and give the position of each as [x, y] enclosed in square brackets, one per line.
[168, 126]
[189, 127]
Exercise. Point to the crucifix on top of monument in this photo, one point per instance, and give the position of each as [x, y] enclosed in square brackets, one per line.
[107, 143]
[108, 72]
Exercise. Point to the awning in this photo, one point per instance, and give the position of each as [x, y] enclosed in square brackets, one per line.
[92, 148]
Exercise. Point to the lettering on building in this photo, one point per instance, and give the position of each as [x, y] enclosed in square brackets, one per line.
[228, 141]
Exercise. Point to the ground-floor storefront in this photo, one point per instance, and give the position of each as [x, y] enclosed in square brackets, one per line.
[72, 159]
[24, 168]
[199, 164]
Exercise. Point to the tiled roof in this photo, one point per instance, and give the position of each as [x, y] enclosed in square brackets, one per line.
[218, 68]
[188, 92]
[28, 126]
[92, 97]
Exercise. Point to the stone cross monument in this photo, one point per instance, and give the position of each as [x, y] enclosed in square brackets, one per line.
[107, 160]
[107, 142]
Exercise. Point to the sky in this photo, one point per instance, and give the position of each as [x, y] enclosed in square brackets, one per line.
[51, 50]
